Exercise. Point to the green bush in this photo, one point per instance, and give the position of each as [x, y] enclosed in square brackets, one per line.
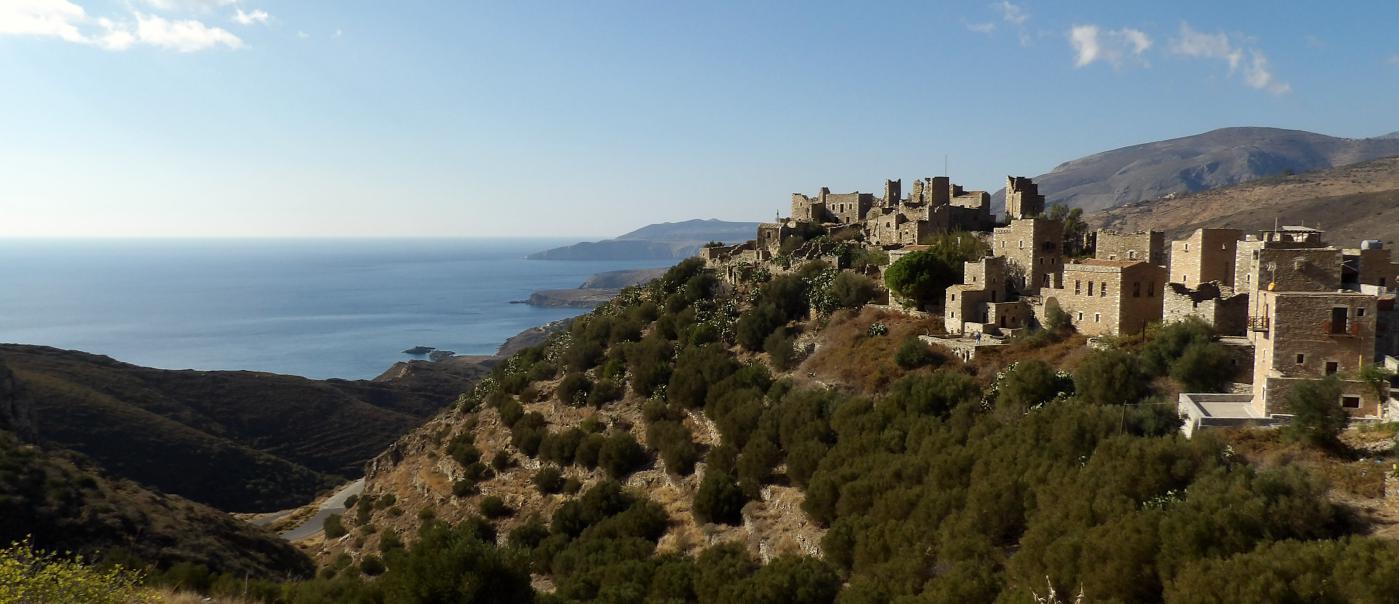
[913, 353]
[621, 455]
[1110, 377]
[494, 507]
[719, 499]
[924, 276]
[574, 389]
[372, 565]
[548, 480]
[1317, 415]
[781, 349]
[334, 527]
[853, 290]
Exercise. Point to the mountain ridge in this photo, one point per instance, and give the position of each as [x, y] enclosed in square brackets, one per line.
[1190, 164]
[659, 241]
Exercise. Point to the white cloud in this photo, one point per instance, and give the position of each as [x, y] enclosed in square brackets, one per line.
[256, 16]
[186, 35]
[1012, 13]
[1092, 44]
[199, 6]
[1237, 52]
[339, 32]
[303, 35]
[70, 22]
[984, 27]
[45, 18]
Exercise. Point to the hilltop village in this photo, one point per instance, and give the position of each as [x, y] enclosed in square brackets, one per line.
[1290, 306]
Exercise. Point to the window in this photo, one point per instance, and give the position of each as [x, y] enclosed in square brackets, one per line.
[1187, 247]
[1080, 316]
[1301, 359]
[1131, 254]
[1359, 312]
[1112, 256]
[1097, 317]
[1078, 287]
[954, 297]
[1332, 367]
[1136, 289]
[1338, 319]
[1022, 244]
[1350, 401]
[1103, 289]
[1090, 289]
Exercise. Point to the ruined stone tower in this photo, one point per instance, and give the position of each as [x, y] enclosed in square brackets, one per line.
[1023, 199]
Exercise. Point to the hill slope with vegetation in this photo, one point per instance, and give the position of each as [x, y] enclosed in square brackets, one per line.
[695, 442]
[236, 440]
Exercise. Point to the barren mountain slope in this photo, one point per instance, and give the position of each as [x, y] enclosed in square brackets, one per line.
[1214, 159]
[1350, 203]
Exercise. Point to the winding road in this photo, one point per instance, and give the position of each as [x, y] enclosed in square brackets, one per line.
[335, 504]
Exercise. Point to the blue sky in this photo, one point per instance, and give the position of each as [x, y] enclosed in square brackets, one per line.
[196, 118]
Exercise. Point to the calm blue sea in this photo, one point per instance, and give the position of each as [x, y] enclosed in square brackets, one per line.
[318, 308]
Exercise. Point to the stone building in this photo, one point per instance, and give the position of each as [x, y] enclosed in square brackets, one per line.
[985, 301]
[1212, 303]
[1023, 199]
[1149, 246]
[1033, 248]
[1369, 265]
[1109, 297]
[1206, 255]
[1308, 335]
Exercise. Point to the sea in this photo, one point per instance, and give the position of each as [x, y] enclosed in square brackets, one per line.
[319, 308]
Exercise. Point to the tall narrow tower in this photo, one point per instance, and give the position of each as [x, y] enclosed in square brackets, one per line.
[1023, 199]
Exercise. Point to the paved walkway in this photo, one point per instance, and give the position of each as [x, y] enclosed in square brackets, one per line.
[333, 505]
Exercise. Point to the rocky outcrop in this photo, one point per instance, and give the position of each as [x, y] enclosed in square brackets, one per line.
[590, 297]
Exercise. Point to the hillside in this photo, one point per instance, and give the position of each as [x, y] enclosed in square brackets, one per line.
[1190, 164]
[63, 504]
[781, 440]
[663, 241]
[1351, 203]
[236, 440]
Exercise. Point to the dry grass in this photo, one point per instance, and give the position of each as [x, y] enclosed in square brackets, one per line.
[848, 355]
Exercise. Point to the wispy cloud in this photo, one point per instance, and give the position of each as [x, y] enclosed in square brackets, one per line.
[303, 35]
[69, 22]
[249, 18]
[1392, 59]
[1092, 44]
[984, 27]
[1235, 51]
[1011, 13]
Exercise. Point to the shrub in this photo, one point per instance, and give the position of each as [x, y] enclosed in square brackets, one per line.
[548, 480]
[574, 389]
[756, 325]
[372, 565]
[502, 461]
[1203, 367]
[605, 391]
[494, 507]
[1029, 383]
[853, 290]
[719, 499]
[1317, 416]
[781, 349]
[464, 488]
[30, 575]
[1110, 377]
[913, 353]
[621, 455]
[334, 527]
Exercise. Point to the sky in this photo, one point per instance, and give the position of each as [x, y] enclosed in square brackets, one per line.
[351, 118]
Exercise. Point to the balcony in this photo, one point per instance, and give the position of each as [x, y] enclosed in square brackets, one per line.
[1341, 328]
[1258, 323]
